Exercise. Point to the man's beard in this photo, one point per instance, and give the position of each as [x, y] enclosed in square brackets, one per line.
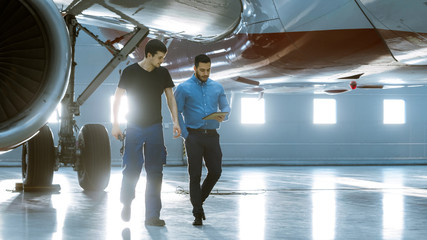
[200, 77]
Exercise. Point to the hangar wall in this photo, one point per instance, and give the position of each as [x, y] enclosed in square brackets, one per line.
[289, 136]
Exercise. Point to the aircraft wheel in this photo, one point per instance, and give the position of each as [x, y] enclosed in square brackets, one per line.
[38, 159]
[95, 157]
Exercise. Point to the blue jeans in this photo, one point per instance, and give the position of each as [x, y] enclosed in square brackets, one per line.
[144, 146]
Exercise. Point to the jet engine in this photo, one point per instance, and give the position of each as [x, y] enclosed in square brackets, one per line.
[35, 60]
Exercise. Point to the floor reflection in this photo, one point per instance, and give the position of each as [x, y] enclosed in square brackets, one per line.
[61, 204]
[252, 208]
[372, 202]
[113, 222]
[34, 216]
[126, 234]
[323, 206]
[393, 206]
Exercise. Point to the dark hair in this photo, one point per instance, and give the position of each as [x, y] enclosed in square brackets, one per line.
[153, 46]
[201, 58]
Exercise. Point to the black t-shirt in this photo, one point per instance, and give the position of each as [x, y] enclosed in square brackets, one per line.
[144, 90]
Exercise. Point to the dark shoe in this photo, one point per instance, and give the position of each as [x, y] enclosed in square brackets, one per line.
[126, 212]
[155, 222]
[198, 221]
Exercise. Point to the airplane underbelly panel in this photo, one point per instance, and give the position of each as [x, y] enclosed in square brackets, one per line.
[296, 51]
[402, 25]
[318, 15]
[196, 20]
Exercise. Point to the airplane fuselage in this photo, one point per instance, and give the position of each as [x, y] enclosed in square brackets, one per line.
[287, 46]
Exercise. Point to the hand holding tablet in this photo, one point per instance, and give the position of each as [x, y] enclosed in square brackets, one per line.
[213, 116]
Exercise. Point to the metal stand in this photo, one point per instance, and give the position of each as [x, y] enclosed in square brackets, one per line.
[19, 187]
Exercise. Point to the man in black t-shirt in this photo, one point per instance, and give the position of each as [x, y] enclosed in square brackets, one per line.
[144, 83]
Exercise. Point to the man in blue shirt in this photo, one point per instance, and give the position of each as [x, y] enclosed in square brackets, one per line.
[196, 98]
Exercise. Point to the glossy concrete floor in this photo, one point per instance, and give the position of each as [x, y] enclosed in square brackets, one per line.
[372, 202]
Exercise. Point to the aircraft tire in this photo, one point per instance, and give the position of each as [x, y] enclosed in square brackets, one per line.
[95, 157]
[38, 159]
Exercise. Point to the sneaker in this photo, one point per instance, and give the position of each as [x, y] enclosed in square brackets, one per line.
[126, 213]
[155, 222]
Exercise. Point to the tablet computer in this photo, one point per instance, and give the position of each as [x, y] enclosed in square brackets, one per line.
[213, 115]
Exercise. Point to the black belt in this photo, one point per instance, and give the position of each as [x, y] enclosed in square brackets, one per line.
[203, 131]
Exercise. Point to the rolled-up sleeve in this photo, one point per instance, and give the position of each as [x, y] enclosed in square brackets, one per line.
[180, 102]
[223, 103]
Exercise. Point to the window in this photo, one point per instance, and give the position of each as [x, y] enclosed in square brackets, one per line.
[324, 111]
[253, 111]
[394, 111]
[123, 109]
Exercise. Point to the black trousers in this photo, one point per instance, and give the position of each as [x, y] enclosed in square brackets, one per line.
[202, 146]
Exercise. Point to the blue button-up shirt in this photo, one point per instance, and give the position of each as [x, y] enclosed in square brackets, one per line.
[196, 100]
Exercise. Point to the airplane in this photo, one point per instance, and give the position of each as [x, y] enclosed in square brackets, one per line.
[256, 46]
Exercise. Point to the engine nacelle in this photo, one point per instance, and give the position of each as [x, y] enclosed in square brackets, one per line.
[35, 60]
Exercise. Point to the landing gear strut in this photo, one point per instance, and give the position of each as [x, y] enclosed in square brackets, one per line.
[90, 153]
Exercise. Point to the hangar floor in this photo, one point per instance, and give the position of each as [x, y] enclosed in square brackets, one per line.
[363, 202]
